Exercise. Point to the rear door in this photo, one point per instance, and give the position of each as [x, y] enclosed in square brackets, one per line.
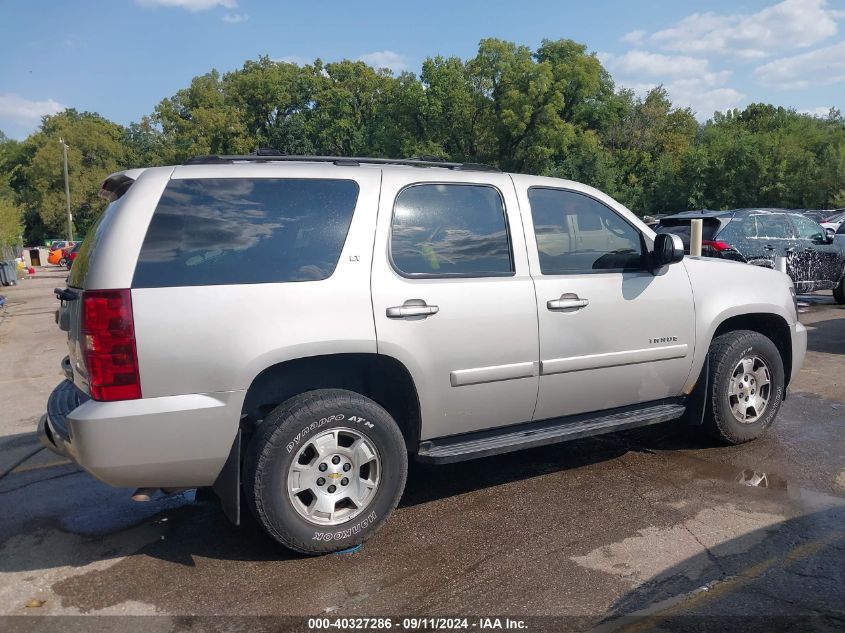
[611, 333]
[453, 299]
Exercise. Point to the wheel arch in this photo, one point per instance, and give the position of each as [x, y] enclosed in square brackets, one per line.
[772, 326]
[381, 378]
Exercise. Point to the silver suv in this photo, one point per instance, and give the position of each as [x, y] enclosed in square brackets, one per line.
[289, 330]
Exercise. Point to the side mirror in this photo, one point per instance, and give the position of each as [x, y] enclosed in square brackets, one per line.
[823, 238]
[668, 249]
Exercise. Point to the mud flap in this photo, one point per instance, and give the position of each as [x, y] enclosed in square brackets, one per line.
[227, 486]
[697, 400]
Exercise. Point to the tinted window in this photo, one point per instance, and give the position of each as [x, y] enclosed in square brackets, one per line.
[450, 230]
[577, 234]
[773, 226]
[739, 228]
[806, 228]
[683, 227]
[238, 230]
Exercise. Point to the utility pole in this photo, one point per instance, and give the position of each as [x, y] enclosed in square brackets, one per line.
[67, 194]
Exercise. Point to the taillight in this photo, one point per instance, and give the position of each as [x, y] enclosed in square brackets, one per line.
[718, 246]
[108, 345]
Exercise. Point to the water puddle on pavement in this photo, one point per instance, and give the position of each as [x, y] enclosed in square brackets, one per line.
[762, 479]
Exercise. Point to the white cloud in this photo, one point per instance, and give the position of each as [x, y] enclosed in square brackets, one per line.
[299, 60]
[821, 67]
[704, 94]
[235, 18]
[821, 111]
[689, 81]
[784, 26]
[639, 62]
[16, 110]
[634, 37]
[190, 5]
[385, 59]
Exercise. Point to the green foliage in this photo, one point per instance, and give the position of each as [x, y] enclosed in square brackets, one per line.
[553, 111]
[97, 147]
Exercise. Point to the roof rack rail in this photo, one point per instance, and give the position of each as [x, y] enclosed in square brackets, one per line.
[265, 156]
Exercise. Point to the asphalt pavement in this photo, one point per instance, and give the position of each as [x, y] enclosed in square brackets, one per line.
[654, 528]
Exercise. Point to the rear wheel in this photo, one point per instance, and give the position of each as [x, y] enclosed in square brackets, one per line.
[839, 291]
[63, 261]
[746, 386]
[325, 471]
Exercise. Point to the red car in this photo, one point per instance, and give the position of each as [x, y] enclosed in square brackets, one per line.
[70, 254]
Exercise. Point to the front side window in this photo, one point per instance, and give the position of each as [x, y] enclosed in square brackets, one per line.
[773, 226]
[577, 234]
[442, 230]
[807, 229]
[215, 231]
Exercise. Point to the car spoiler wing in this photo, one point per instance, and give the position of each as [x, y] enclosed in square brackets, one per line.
[118, 183]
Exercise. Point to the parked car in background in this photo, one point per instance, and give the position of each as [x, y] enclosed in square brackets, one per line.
[815, 216]
[757, 236]
[839, 239]
[833, 222]
[70, 254]
[57, 257]
[376, 311]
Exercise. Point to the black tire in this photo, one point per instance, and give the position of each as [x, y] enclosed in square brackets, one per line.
[839, 292]
[726, 352]
[285, 432]
[63, 262]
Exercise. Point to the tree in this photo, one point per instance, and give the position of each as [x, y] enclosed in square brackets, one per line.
[199, 120]
[10, 223]
[96, 149]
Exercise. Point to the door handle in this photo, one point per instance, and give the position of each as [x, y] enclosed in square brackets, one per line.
[567, 302]
[412, 308]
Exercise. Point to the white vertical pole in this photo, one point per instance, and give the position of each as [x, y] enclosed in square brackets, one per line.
[696, 228]
[67, 194]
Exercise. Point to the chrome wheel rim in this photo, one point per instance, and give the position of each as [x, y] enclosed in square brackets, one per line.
[749, 389]
[334, 476]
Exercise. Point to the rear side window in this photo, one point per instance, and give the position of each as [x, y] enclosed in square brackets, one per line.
[217, 231]
[442, 230]
[683, 227]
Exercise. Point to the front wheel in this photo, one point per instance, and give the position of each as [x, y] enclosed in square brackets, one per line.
[839, 292]
[325, 470]
[746, 386]
[63, 262]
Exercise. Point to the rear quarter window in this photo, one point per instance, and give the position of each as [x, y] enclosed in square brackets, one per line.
[219, 231]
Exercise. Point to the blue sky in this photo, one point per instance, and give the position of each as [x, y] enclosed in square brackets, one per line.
[121, 57]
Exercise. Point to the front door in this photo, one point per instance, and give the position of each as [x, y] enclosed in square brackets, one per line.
[453, 299]
[611, 333]
[817, 260]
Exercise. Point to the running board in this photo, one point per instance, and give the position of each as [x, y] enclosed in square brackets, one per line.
[514, 438]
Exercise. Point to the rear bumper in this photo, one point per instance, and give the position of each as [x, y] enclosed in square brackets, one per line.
[168, 442]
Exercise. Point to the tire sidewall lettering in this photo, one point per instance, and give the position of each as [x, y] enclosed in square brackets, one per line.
[340, 535]
[318, 424]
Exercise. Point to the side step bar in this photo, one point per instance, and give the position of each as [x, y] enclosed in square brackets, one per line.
[513, 438]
